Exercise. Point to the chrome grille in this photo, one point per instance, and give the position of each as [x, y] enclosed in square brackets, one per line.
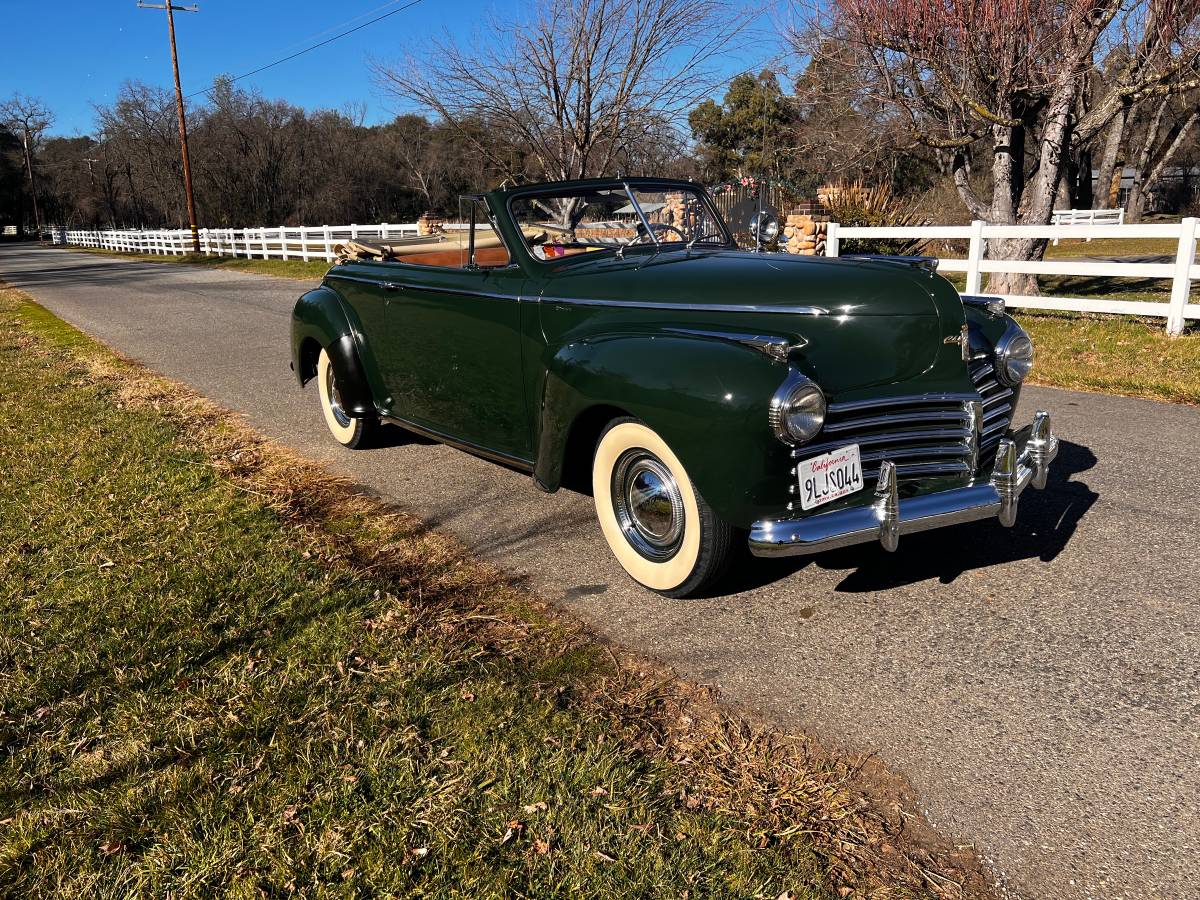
[926, 434]
[997, 404]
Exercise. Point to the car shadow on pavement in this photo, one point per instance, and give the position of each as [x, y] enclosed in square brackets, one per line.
[1046, 522]
[390, 435]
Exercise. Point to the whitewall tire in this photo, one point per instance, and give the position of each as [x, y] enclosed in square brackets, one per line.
[655, 522]
[346, 430]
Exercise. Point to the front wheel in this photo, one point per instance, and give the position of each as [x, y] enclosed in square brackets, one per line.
[656, 523]
[346, 430]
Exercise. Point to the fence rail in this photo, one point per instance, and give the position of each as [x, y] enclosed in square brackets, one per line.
[1181, 270]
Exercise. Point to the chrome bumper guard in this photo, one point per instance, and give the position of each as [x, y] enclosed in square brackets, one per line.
[886, 518]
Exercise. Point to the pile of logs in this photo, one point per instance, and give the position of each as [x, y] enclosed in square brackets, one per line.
[805, 233]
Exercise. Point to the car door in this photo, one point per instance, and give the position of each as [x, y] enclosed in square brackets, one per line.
[454, 348]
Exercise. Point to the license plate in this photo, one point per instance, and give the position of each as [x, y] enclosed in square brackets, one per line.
[829, 477]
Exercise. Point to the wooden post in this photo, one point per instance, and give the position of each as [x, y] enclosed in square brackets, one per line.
[974, 257]
[833, 242]
[1181, 282]
[328, 244]
[283, 241]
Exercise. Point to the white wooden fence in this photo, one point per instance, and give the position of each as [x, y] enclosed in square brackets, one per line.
[281, 242]
[1181, 271]
[1087, 217]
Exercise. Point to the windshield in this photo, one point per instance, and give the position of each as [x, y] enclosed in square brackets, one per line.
[583, 220]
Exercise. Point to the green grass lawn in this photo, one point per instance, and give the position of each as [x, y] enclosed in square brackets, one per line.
[1106, 247]
[282, 268]
[224, 674]
[1116, 354]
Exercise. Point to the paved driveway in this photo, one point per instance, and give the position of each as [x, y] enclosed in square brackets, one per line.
[1038, 686]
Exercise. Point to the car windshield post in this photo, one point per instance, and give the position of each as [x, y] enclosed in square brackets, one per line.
[473, 199]
[641, 215]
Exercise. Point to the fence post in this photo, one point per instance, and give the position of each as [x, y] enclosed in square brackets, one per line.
[283, 241]
[974, 257]
[304, 242]
[832, 240]
[1181, 283]
[328, 244]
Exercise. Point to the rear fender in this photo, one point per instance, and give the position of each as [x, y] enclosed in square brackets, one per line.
[706, 397]
[320, 322]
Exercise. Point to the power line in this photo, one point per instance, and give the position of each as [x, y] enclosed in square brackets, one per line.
[316, 46]
[301, 41]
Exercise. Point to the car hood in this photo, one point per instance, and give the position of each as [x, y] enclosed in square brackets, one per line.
[752, 280]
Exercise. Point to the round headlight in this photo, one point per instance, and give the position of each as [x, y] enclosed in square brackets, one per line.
[764, 227]
[1014, 356]
[797, 410]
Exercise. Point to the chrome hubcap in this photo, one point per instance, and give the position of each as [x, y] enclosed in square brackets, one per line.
[335, 399]
[648, 504]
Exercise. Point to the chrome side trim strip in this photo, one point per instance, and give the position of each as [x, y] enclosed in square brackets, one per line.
[429, 288]
[580, 301]
[354, 278]
[690, 307]
[466, 446]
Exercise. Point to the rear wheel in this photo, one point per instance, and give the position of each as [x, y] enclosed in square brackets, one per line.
[346, 430]
[655, 521]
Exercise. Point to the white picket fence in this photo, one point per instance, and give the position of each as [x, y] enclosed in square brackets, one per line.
[1181, 271]
[281, 242]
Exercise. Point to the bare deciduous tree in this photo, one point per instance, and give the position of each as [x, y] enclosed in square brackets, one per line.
[1005, 78]
[575, 88]
[29, 117]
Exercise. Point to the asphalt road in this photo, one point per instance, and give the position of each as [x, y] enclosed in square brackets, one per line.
[1038, 686]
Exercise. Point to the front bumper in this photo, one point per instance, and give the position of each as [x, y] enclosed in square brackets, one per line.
[886, 517]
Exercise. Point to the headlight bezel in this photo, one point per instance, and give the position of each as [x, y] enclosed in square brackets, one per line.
[798, 400]
[1014, 356]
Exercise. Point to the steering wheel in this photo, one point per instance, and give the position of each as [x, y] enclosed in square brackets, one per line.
[642, 234]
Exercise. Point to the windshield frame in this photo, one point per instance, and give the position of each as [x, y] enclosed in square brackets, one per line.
[628, 186]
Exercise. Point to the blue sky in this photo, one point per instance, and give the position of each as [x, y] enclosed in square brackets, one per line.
[77, 53]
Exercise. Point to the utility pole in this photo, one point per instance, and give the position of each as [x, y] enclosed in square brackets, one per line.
[37, 213]
[183, 141]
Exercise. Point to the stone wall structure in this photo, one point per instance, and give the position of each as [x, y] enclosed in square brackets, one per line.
[430, 223]
[805, 234]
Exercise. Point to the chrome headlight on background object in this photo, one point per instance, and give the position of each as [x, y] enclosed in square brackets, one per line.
[797, 410]
[1014, 355]
[764, 227]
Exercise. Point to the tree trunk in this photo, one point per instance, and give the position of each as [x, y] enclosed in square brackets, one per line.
[1013, 282]
[1136, 204]
[1102, 190]
[1033, 204]
[1083, 183]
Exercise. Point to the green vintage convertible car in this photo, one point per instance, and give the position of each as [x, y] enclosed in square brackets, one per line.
[609, 335]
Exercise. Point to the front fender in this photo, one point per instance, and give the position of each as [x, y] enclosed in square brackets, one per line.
[320, 322]
[707, 398]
